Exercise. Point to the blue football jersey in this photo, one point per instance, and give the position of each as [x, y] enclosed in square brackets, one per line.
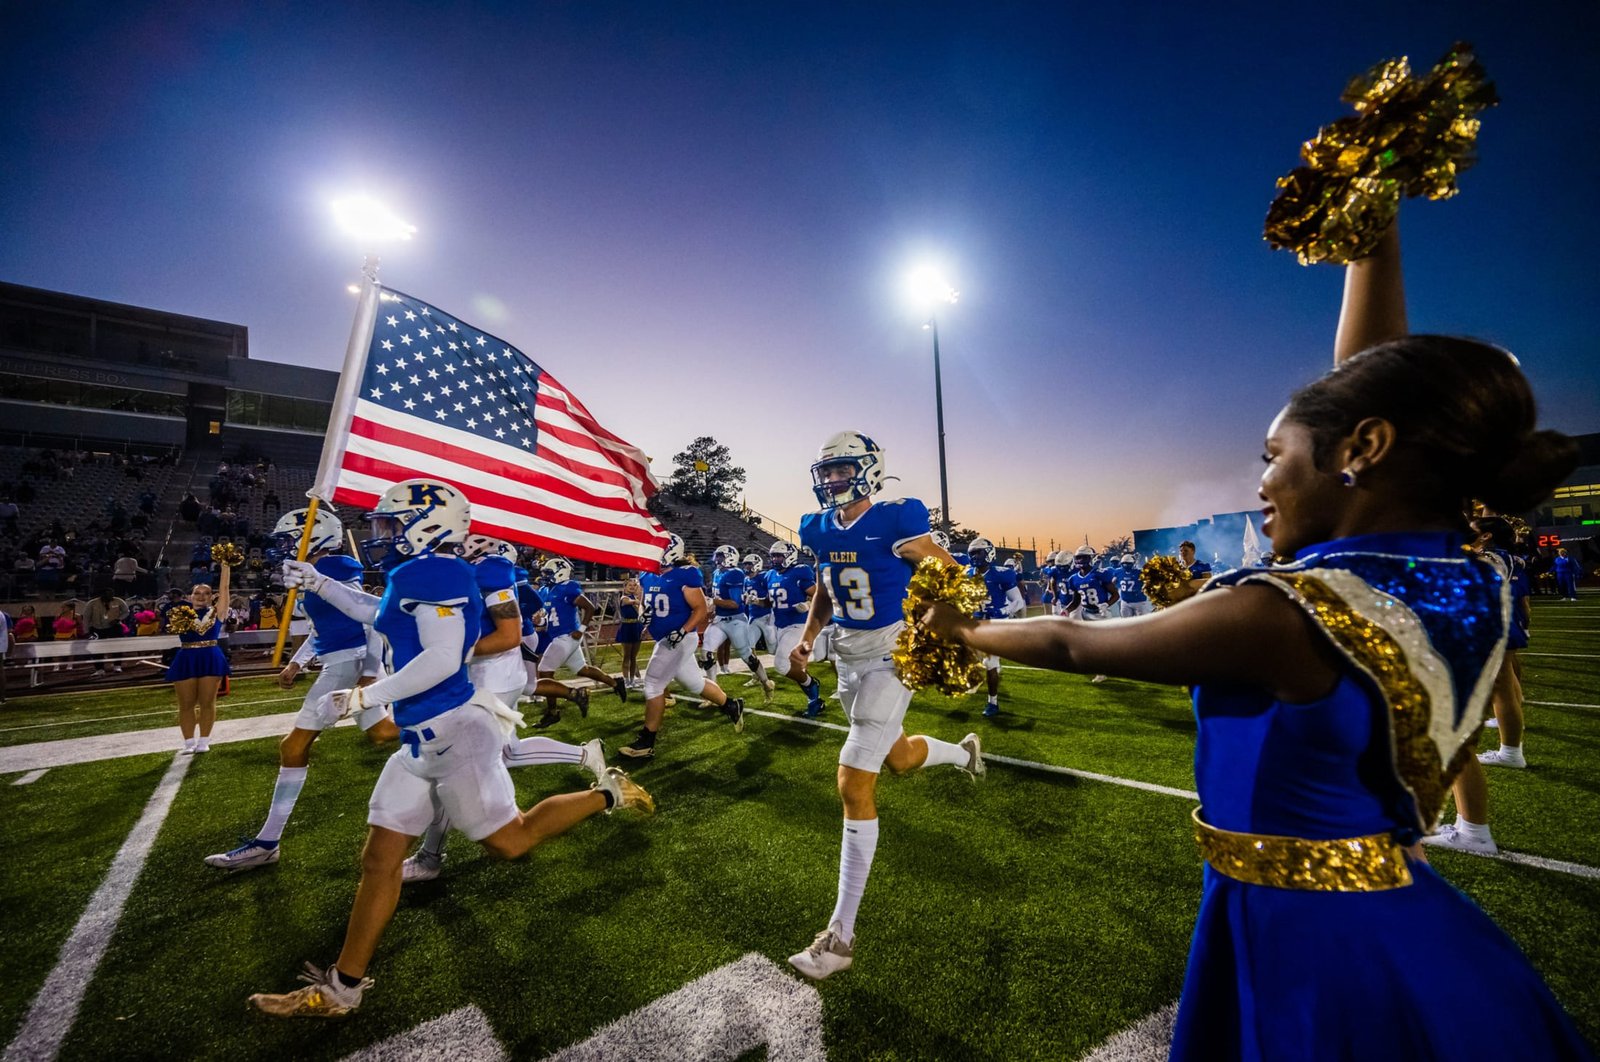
[1199, 570]
[1093, 587]
[962, 559]
[758, 583]
[331, 630]
[787, 589]
[563, 609]
[497, 582]
[528, 601]
[664, 602]
[729, 583]
[999, 582]
[866, 579]
[448, 585]
[1129, 586]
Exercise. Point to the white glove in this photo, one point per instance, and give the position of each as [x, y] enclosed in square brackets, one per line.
[303, 575]
[342, 702]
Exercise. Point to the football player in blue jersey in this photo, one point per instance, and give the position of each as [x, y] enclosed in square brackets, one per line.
[570, 614]
[1199, 570]
[1091, 591]
[731, 624]
[675, 602]
[1005, 601]
[1131, 598]
[496, 667]
[867, 549]
[451, 736]
[351, 655]
[756, 604]
[788, 587]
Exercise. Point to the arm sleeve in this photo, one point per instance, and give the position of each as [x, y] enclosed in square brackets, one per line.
[443, 641]
[302, 656]
[1015, 605]
[357, 604]
[372, 664]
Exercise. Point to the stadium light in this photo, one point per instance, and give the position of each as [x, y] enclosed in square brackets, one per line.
[370, 221]
[928, 289]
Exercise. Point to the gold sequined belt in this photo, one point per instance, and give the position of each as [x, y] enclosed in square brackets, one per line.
[197, 645]
[1346, 864]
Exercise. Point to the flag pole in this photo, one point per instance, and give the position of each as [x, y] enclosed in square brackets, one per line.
[338, 434]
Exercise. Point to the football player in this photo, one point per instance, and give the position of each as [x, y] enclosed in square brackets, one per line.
[1131, 599]
[1091, 591]
[451, 736]
[867, 548]
[1199, 570]
[569, 616]
[675, 601]
[731, 625]
[496, 667]
[1005, 601]
[351, 655]
[763, 631]
[788, 588]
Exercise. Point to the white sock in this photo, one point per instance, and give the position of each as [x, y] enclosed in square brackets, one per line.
[433, 840]
[942, 752]
[994, 698]
[532, 751]
[188, 743]
[290, 781]
[855, 863]
[202, 744]
[1472, 831]
[1514, 751]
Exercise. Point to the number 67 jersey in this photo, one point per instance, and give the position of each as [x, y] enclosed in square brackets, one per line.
[858, 563]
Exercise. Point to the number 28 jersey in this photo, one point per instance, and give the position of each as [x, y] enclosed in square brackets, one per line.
[865, 577]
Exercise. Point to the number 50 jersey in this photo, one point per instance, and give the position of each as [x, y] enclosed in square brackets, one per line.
[858, 564]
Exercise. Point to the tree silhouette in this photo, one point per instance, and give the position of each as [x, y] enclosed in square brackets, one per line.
[705, 474]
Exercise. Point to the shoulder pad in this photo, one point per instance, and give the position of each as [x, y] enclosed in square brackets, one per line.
[494, 573]
[434, 578]
[339, 568]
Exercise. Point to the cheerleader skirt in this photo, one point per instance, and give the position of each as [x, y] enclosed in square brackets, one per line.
[197, 663]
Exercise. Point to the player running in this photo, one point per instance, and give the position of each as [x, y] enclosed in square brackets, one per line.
[867, 549]
[731, 624]
[1005, 601]
[569, 614]
[451, 735]
[1131, 598]
[789, 586]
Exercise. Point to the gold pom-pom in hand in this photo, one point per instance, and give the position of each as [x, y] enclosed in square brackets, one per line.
[227, 553]
[920, 658]
[1410, 136]
[1165, 581]
[182, 620]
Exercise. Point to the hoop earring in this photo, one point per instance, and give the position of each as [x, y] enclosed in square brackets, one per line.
[1347, 477]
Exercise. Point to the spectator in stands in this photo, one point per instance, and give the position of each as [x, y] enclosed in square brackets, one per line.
[267, 615]
[147, 622]
[52, 558]
[125, 573]
[189, 508]
[8, 515]
[173, 598]
[23, 570]
[147, 503]
[270, 501]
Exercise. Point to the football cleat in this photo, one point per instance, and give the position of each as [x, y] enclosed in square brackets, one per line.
[643, 747]
[322, 997]
[247, 856]
[734, 709]
[580, 697]
[813, 709]
[1449, 836]
[975, 766]
[621, 686]
[424, 866]
[551, 716]
[827, 955]
[625, 792]
[991, 711]
[594, 757]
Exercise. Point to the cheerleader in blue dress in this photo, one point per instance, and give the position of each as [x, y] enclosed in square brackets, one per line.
[199, 665]
[1337, 696]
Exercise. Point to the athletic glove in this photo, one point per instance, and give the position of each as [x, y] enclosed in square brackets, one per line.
[303, 575]
[675, 638]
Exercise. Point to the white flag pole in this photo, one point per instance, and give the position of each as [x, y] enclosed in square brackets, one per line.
[344, 399]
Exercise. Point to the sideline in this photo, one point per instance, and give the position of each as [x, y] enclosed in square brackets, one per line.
[55, 1008]
[142, 715]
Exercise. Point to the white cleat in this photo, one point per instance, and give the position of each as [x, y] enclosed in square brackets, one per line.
[1450, 837]
[1098, 679]
[827, 955]
[1492, 723]
[594, 757]
[1500, 757]
[247, 856]
[975, 766]
[421, 867]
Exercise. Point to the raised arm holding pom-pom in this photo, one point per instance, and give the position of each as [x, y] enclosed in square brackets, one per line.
[1374, 306]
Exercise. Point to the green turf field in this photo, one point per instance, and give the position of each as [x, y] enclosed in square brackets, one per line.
[1031, 915]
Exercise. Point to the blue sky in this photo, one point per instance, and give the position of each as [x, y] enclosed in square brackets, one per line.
[697, 216]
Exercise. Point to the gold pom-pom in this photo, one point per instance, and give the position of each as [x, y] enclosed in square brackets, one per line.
[921, 660]
[1410, 136]
[1165, 581]
[182, 620]
[227, 553]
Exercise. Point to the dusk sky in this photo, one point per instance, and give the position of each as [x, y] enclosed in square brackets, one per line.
[698, 217]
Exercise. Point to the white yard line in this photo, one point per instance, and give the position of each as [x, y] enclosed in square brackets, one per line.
[31, 777]
[1562, 704]
[66, 751]
[55, 1008]
[142, 715]
[1566, 656]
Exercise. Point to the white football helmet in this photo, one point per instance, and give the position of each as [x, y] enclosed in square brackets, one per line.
[981, 550]
[1013, 562]
[417, 516]
[780, 555]
[556, 570]
[1129, 560]
[1083, 557]
[477, 547]
[725, 557]
[673, 551]
[751, 563]
[940, 539]
[847, 452]
[327, 533]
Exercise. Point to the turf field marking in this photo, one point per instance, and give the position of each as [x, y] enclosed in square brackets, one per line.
[1577, 870]
[1561, 704]
[1147, 1040]
[64, 751]
[140, 715]
[749, 1003]
[463, 1033]
[31, 777]
[55, 1008]
[1566, 656]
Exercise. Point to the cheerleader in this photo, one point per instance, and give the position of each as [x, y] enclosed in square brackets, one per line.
[199, 665]
[452, 736]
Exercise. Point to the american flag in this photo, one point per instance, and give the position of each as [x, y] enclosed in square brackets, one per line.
[441, 399]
